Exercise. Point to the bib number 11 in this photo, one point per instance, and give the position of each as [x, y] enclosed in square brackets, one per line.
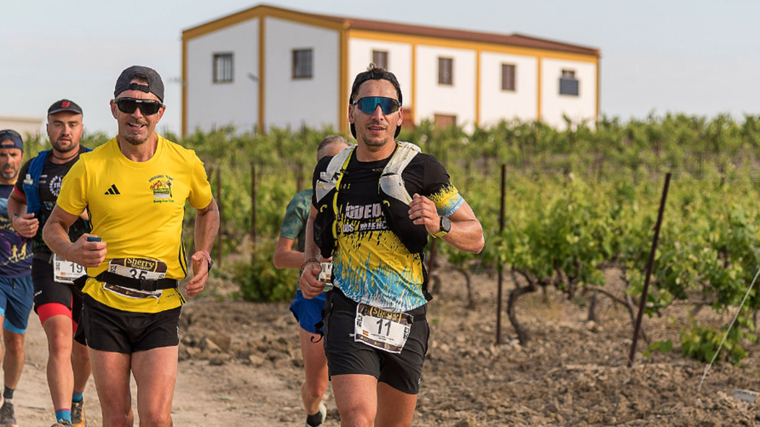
[382, 329]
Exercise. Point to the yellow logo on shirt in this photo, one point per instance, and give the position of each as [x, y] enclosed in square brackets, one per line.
[161, 185]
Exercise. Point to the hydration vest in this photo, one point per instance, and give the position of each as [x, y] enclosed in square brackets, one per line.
[394, 197]
[32, 182]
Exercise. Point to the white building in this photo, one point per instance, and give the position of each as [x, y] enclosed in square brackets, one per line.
[267, 66]
[25, 126]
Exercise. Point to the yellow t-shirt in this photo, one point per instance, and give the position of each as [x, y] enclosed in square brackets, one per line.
[137, 209]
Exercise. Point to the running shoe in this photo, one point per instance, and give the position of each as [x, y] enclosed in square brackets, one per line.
[7, 415]
[322, 414]
[77, 414]
[62, 423]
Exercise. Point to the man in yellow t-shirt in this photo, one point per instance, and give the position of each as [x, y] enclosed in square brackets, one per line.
[135, 187]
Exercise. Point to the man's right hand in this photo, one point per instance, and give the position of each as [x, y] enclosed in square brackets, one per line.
[87, 254]
[310, 286]
[26, 225]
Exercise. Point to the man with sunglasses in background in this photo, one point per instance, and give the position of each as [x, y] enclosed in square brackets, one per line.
[16, 289]
[135, 187]
[56, 301]
[374, 206]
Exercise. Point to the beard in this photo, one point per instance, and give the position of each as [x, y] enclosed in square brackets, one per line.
[63, 149]
[371, 141]
[9, 175]
[135, 138]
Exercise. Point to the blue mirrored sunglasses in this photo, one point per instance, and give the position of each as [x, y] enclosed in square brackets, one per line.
[367, 105]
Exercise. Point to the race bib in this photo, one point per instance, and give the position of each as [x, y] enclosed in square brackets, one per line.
[138, 268]
[66, 271]
[326, 275]
[382, 329]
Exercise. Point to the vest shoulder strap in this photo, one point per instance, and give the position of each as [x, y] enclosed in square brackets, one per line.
[391, 182]
[35, 167]
[328, 179]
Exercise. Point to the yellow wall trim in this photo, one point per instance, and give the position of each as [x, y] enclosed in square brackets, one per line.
[257, 12]
[538, 113]
[262, 74]
[343, 82]
[463, 44]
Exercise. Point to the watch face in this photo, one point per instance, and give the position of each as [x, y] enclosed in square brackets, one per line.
[445, 224]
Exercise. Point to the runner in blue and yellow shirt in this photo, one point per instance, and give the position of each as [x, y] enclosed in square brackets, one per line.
[374, 206]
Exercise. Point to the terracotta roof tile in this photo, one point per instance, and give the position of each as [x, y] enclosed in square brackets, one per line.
[503, 39]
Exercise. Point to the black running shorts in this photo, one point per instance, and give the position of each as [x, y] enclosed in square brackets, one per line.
[401, 371]
[47, 290]
[108, 329]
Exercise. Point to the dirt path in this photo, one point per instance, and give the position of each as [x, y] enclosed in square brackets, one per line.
[240, 365]
[232, 394]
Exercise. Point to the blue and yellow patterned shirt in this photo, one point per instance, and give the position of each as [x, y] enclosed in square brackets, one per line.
[371, 265]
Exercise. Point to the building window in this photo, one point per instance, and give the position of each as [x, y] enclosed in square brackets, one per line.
[568, 84]
[443, 121]
[507, 77]
[445, 71]
[380, 59]
[303, 63]
[223, 68]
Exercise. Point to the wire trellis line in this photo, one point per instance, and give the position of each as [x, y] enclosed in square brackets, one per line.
[736, 316]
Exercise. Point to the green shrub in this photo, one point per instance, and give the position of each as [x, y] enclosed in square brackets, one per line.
[260, 281]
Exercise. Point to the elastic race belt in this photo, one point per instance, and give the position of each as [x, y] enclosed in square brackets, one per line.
[144, 285]
[44, 256]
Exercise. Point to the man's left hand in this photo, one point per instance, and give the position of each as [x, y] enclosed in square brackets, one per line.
[200, 268]
[422, 211]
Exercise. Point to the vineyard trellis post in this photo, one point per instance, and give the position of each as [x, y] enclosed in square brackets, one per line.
[253, 207]
[219, 205]
[650, 265]
[500, 267]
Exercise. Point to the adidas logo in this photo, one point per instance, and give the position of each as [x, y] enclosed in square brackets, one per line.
[113, 190]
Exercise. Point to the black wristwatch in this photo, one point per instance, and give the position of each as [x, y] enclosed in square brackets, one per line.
[209, 261]
[445, 227]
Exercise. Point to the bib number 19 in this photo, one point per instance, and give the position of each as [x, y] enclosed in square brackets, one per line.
[66, 271]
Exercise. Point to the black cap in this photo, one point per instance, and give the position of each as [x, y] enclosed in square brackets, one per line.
[155, 84]
[11, 139]
[65, 105]
[374, 73]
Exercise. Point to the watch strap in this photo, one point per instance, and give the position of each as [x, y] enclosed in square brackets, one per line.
[307, 262]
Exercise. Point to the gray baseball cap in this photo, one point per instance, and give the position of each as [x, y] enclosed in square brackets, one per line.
[155, 84]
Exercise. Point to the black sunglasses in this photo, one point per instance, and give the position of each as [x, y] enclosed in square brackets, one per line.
[148, 107]
[367, 105]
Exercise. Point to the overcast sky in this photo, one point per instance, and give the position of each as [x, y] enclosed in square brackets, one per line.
[697, 56]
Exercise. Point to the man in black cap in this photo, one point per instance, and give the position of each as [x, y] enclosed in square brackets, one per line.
[56, 301]
[135, 188]
[16, 287]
